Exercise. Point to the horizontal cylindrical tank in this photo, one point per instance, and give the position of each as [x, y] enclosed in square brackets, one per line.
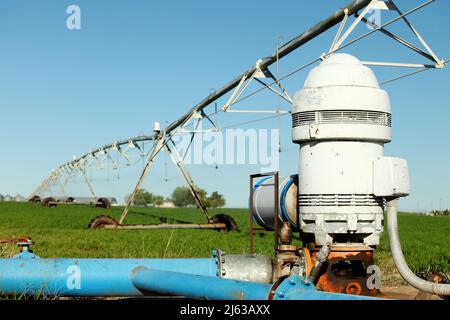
[264, 202]
[255, 268]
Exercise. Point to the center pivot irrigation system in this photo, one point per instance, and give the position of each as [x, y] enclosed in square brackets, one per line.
[341, 120]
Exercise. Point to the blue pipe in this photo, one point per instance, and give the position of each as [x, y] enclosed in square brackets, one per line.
[196, 286]
[87, 277]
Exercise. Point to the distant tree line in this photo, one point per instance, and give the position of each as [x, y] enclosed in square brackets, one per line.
[7, 197]
[145, 198]
[181, 197]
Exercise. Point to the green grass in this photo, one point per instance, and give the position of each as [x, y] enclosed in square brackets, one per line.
[425, 242]
[62, 232]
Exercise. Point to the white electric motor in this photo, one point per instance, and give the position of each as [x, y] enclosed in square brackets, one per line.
[342, 119]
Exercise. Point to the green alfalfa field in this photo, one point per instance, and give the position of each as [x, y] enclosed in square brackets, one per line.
[62, 232]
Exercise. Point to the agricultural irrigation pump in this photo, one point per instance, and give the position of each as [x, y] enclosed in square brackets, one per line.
[341, 119]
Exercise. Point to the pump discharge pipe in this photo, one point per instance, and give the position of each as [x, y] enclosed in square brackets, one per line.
[204, 287]
[399, 259]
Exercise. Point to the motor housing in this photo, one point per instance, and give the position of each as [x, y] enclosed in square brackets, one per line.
[341, 119]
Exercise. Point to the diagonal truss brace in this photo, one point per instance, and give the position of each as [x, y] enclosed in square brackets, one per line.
[337, 42]
[421, 39]
[389, 5]
[257, 75]
[162, 144]
[157, 147]
[181, 166]
[398, 39]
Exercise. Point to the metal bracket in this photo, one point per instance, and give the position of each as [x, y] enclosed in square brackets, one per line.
[338, 42]
[257, 75]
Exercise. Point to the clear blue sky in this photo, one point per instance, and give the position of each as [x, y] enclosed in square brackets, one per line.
[63, 92]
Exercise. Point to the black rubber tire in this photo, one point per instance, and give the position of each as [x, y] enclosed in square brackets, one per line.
[35, 199]
[49, 202]
[101, 221]
[228, 220]
[103, 203]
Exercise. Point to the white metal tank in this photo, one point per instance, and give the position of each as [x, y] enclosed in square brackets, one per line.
[264, 204]
[342, 119]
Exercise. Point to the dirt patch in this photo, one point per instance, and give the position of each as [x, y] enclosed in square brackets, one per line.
[8, 250]
[407, 293]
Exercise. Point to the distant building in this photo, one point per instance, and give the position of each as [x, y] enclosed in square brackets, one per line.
[19, 198]
[166, 204]
[7, 198]
[113, 201]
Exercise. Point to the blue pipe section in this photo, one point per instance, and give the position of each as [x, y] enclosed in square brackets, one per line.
[204, 287]
[87, 277]
[196, 286]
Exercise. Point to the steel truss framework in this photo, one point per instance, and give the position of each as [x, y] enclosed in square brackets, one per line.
[130, 151]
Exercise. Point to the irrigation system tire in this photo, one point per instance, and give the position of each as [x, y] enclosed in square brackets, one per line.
[227, 220]
[49, 202]
[35, 199]
[103, 203]
[101, 221]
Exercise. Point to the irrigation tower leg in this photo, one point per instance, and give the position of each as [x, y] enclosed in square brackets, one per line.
[61, 187]
[91, 190]
[157, 146]
[44, 186]
[181, 166]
